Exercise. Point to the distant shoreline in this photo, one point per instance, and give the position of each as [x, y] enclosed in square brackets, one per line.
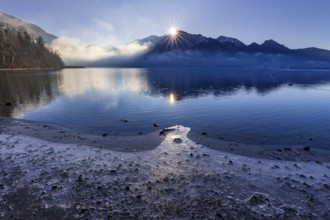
[73, 67]
[79, 67]
[36, 68]
[43, 68]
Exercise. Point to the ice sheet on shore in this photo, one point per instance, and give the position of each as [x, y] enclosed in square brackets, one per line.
[178, 179]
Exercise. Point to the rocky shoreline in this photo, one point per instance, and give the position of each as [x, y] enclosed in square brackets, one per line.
[67, 177]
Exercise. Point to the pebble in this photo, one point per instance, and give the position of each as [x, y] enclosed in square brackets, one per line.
[258, 199]
[80, 178]
[307, 148]
[275, 167]
[65, 174]
[113, 172]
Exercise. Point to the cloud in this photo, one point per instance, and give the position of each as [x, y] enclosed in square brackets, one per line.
[73, 52]
[105, 25]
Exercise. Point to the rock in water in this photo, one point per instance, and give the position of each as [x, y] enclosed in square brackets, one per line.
[177, 140]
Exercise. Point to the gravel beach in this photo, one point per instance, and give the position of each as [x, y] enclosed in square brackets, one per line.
[48, 172]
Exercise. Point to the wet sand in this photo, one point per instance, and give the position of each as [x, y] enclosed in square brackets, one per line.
[302, 152]
[57, 134]
[54, 173]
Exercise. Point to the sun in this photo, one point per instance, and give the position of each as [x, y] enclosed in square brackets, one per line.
[173, 31]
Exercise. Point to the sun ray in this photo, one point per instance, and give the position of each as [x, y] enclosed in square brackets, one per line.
[173, 36]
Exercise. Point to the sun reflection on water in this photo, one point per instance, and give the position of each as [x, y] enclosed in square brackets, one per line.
[172, 98]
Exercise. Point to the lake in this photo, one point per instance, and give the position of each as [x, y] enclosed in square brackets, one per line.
[251, 106]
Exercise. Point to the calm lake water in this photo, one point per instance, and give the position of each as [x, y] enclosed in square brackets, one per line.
[251, 106]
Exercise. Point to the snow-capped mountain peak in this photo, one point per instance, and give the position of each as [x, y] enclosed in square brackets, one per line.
[234, 41]
[192, 38]
[273, 44]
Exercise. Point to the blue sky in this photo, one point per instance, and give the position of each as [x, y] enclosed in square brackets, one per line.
[295, 23]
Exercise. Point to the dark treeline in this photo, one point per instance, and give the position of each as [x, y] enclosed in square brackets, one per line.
[20, 50]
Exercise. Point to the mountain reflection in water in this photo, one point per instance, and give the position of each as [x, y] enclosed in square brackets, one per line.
[287, 106]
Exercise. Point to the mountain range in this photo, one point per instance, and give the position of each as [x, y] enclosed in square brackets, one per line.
[195, 49]
[229, 46]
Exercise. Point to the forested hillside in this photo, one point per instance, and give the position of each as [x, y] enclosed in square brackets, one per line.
[19, 50]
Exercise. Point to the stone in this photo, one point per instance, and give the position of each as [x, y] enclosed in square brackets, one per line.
[80, 178]
[65, 174]
[307, 148]
[258, 199]
[275, 167]
[113, 172]
[165, 131]
[177, 140]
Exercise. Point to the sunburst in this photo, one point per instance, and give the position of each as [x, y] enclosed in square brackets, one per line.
[173, 32]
